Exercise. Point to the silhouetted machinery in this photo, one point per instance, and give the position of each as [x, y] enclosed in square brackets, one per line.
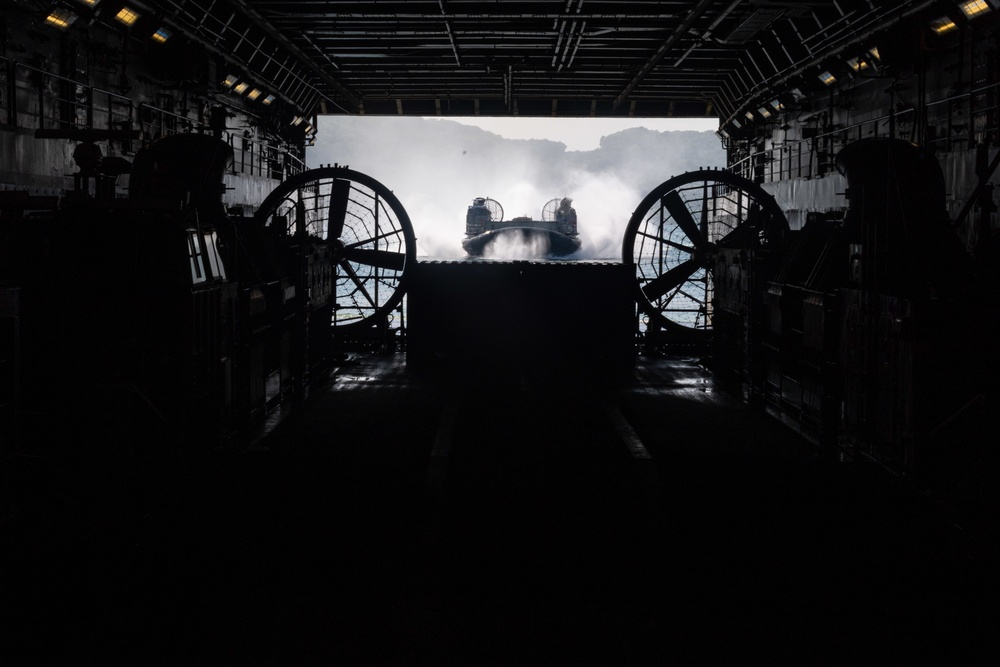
[371, 245]
[860, 329]
[162, 318]
[165, 317]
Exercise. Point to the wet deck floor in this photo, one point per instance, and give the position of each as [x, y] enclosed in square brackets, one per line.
[404, 519]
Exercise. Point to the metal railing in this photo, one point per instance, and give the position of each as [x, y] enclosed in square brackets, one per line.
[157, 123]
[814, 156]
[260, 158]
[251, 156]
[34, 99]
[6, 91]
[809, 157]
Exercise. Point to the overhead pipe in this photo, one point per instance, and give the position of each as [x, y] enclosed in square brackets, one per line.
[682, 30]
[561, 22]
[566, 46]
[559, 38]
[252, 14]
[579, 38]
[451, 37]
[720, 18]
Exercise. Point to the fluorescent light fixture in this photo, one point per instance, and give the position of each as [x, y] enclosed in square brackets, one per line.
[241, 87]
[737, 124]
[309, 128]
[764, 112]
[89, 3]
[127, 16]
[297, 120]
[857, 64]
[230, 80]
[778, 106]
[268, 99]
[254, 94]
[827, 78]
[749, 115]
[943, 25]
[162, 35]
[722, 132]
[873, 52]
[60, 18]
[974, 8]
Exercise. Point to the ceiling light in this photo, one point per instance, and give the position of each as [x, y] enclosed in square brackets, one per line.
[764, 112]
[778, 106]
[254, 94]
[974, 8]
[268, 99]
[749, 115]
[857, 64]
[873, 52]
[943, 25]
[60, 18]
[297, 120]
[309, 128]
[89, 3]
[827, 78]
[127, 16]
[241, 87]
[161, 35]
[737, 124]
[230, 81]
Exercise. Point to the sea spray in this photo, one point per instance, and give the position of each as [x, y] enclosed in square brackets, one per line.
[515, 244]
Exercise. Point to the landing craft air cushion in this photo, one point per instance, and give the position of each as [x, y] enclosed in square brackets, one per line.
[557, 230]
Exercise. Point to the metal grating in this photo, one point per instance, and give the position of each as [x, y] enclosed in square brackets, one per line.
[548, 58]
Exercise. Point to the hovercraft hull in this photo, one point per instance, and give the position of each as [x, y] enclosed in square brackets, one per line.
[558, 244]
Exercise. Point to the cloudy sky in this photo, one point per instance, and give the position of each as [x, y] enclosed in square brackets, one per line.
[582, 134]
[436, 167]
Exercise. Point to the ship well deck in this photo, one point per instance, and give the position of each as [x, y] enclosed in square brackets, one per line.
[473, 518]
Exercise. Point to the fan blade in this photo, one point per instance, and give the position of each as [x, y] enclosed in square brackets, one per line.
[659, 286]
[680, 213]
[339, 195]
[383, 259]
[704, 211]
[357, 281]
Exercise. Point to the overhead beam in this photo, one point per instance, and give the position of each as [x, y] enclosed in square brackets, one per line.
[266, 26]
[696, 13]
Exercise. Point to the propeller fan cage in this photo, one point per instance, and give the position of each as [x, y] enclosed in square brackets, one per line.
[673, 237]
[367, 228]
[549, 210]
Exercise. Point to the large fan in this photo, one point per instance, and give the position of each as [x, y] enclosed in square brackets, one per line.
[549, 210]
[495, 209]
[370, 233]
[673, 236]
